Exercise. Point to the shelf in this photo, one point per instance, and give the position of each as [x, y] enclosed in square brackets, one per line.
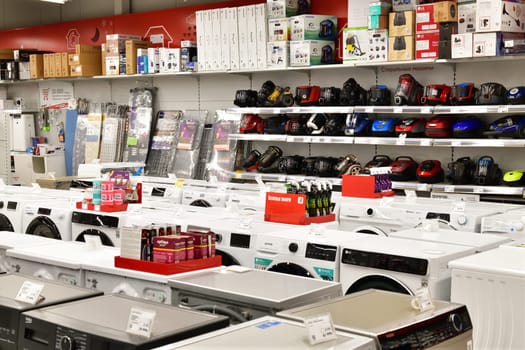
[291, 110]
[414, 186]
[474, 109]
[503, 190]
[479, 143]
[258, 137]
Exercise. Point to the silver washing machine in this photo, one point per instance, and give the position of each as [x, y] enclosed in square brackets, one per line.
[392, 322]
[245, 294]
[101, 322]
[270, 332]
[10, 308]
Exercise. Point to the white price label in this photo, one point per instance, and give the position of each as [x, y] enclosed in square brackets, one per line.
[458, 207]
[320, 329]
[422, 300]
[369, 109]
[30, 293]
[450, 188]
[398, 110]
[425, 142]
[401, 140]
[421, 187]
[456, 143]
[503, 109]
[140, 322]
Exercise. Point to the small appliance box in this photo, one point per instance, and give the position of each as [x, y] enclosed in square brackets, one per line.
[142, 61]
[36, 66]
[278, 54]
[492, 44]
[401, 23]
[498, 15]
[131, 54]
[287, 8]
[378, 22]
[116, 43]
[313, 27]
[311, 53]
[278, 29]
[188, 56]
[169, 60]
[462, 45]
[404, 5]
[172, 249]
[401, 48]
[467, 17]
[153, 60]
[428, 46]
[378, 45]
[377, 8]
[356, 44]
[429, 15]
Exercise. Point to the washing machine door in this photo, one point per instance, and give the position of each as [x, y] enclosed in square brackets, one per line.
[290, 268]
[200, 203]
[370, 230]
[5, 224]
[227, 259]
[93, 232]
[44, 227]
[378, 282]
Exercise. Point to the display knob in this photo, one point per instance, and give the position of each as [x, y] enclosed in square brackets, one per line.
[67, 343]
[369, 211]
[462, 220]
[293, 247]
[456, 321]
[218, 238]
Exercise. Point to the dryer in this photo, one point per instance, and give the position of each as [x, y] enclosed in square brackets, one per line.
[51, 219]
[60, 261]
[105, 225]
[10, 240]
[492, 285]
[392, 264]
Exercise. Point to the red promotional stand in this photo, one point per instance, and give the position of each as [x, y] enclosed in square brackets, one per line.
[288, 208]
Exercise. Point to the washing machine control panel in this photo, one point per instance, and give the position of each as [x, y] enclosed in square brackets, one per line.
[12, 205]
[240, 240]
[93, 219]
[383, 261]
[321, 252]
[439, 216]
[44, 211]
[429, 333]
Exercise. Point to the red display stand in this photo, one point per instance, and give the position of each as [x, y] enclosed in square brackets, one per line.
[362, 186]
[168, 269]
[288, 208]
[105, 208]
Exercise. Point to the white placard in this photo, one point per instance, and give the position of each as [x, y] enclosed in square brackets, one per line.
[450, 188]
[55, 94]
[30, 292]
[422, 300]
[140, 322]
[458, 207]
[401, 139]
[320, 329]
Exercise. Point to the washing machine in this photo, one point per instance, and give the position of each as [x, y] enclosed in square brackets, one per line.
[492, 285]
[105, 225]
[51, 219]
[101, 323]
[270, 332]
[60, 261]
[509, 224]
[11, 309]
[204, 196]
[10, 240]
[395, 265]
[12, 210]
[439, 235]
[392, 322]
[244, 294]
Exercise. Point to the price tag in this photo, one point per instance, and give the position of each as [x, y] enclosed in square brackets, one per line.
[456, 143]
[422, 300]
[458, 207]
[503, 109]
[320, 329]
[449, 189]
[398, 110]
[30, 293]
[425, 142]
[140, 322]
[401, 139]
[369, 109]
[421, 187]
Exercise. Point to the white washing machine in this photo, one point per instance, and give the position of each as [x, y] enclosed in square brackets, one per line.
[12, 210]
[509, 224]
[393, 264]
[204, 196]
[10, 240]
[439, 235]
[105, 225]
[60, 261]
[51, 219]
[492, 285]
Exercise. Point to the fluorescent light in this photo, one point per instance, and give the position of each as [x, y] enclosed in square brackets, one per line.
[56, 1]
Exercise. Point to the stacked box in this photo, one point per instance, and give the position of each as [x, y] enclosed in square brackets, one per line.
[85, 62]
[313, 27]
[36, 66]
[169, 60]
[173, 249]
[355, 41]
[188, 56]
[311, 52]
[378, 15]
[467, 17]
[378, 45]
[131, 54]
[278, 54]
[116, 52]
[401, 30]
[287, 8]
[499, 15]
[435, 24]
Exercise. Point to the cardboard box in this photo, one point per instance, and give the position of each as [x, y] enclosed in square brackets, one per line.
[378, 45]
[278, 54]
[24, 70]
[358, 13]
[45, 61]
[467, 17]
[243, 36]
[188, 57]
[6, 54]
[287, 8]
[378, 22]
[252, 37]
[57, 65]
[103, 57]
[311, 52]
[355, 42]
[83, 48]
[85, 70]
[379, 8]
[22, 55]
[142, 61]
[401, 23]
[428, 46]
[261, 25]
[462, 45]
[172, 249]
[233, 39]
[199, 24]
[216, 46]
[169, 60]
[59, 183]
[492, 44]
[428, 15]
[225, 36]
[313, 27]
[401, 48]
[116, 43]
[89, 58]
[131, 54]
[64, 64]
[514, 46]
[153, 60]
[208, 35]
[404, 5]
[278, 29]
[36, 66]
[112, 65]
[498, 15]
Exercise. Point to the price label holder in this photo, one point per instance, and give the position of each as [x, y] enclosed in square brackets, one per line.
[401, 140]
[458, 207]
[140, 322]
[422, 300]
[30, 293]
[320, 329]
[450, 188]
[237, 269]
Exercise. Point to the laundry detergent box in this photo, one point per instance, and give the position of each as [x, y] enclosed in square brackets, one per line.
[356, 44]
[172, 249]
[313, 27]
[311, 53]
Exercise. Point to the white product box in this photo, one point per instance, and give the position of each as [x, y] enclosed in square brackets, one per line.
[404, 5]
[486, 44]
[201, 51]
[284, 8]
[498, 15]
[208, 44]
[262, 34]
[252, 37]
[467, 17]
[311, 52]
[243, 36]
[278, 54]
[225, 42]
[153, 60]
[216, 46]
[278, 29]
[313, 27]
[112, 65]
[355, 41]
[142, 61]
[358, 11]
[169, 60]
[378, 45]
[461, 45]
[233, 39]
